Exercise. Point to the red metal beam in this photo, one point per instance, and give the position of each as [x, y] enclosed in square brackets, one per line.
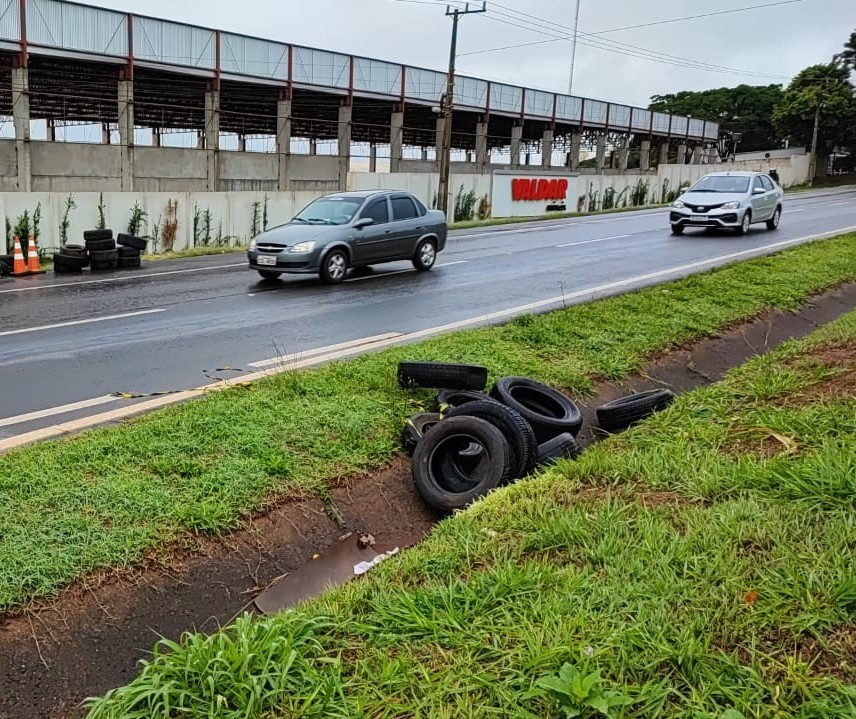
[130, 71]
[24, 53]
[351, 64]
[217, 60]
[289, 91]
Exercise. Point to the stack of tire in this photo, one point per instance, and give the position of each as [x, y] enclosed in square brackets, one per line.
[101, 247]
[100, 252]
[130, 250]
[475, 441]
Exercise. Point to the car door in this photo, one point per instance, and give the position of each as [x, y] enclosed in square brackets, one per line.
[772, 194]
[409, 225]
[759, 200]
[371, 243]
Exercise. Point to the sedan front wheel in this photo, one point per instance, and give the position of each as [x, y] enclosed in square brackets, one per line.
[334, 267]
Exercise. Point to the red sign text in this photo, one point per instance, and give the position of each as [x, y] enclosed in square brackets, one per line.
[530, 190]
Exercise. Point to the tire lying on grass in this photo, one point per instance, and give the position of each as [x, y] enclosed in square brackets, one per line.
[547, 410]
[440, 375]
[625, 411]
[104, 259]
[96, 235]
[523, 447]
[415, 428]
[562, 446]
[449, 398]
[438, 463]
[126, 240]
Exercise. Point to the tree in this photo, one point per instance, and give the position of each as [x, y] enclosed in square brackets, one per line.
[822, 91]
[847, 56]
[746, 109]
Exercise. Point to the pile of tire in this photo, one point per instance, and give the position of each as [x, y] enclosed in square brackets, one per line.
[100, 252]
[477, 441]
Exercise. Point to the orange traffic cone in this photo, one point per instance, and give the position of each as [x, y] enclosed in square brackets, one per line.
[33, 264]
[19, 264]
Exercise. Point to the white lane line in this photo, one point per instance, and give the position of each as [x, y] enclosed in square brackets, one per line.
[125, 412]
[40, 414]
[590, 242]
[297, 356]
[80, 322]
[788, 212]
[837, 204]
[452, 264]
[124, 278]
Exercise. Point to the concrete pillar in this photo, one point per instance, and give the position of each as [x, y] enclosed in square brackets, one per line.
[372, 157]
[156, 137]
[21, 120]
[105, 133]
[346, 113]
[482, 153]
[242, 143]
[200, 140]
[547, 149]
[645, 155]
[697, 153]
[516, 143]
[682, 154]
[574, 153]
[528, 159]
[396, 141]
[126, 134]
[600, 154]
[424, 154]
[51, 126]
[313, 146]
[712, 156]
[212, 138]
[438, 138]
[283, 142]
[664, 153]
[624, 153]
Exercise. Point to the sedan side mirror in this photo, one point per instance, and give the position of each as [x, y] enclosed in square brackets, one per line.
[363, 222]
[758, 191]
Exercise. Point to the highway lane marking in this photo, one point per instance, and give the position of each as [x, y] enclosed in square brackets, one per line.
[400, 338]
[79, 322]
[589, 242]
[122, 279]
[836, 204]
[297, 356]
[401, 272]
[62, 409]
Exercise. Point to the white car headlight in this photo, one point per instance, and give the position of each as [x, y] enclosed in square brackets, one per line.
[302, 248]
[254, 243]
[678, 204]
[733, 205]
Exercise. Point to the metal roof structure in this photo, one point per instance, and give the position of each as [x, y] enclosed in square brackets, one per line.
[75, 53]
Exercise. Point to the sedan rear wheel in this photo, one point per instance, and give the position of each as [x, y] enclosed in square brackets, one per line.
[425, 256]
[334, 268]
[773, 222]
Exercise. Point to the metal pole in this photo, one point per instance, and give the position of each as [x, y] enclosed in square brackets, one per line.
[574, 48]
[812, 166]
[445, 159]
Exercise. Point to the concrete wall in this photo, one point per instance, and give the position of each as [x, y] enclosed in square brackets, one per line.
[422, 184]
[58, 166]
[174, 169]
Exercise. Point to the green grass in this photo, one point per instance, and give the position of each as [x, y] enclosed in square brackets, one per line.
[668, 573]
[112, 496]
[193, 252]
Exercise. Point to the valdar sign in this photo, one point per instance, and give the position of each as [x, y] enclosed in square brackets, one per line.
[537, 190]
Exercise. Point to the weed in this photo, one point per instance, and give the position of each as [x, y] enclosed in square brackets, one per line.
[102, 213]
[465, 203]
[170, 225]
[65, 222]
[256, 221]
[37, 219]
[582, 695]
[139, 220]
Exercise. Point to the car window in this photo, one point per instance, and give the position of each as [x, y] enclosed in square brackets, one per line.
[767, 182]
[420, 208]
[403, 208]
[721, 183]
[377, 211]
[758, 184]
[329, 211]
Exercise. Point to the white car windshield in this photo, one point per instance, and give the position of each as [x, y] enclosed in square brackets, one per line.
[329, 211]
[721, 183]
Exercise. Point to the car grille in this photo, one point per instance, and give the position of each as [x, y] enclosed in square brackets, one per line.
[703, 208]
[270, 248]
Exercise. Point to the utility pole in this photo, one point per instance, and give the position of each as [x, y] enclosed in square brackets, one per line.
[812, 165]
[445, 159]
[574, 49]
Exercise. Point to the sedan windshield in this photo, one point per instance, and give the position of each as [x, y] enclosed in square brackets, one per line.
[329, 211]
[721, 183]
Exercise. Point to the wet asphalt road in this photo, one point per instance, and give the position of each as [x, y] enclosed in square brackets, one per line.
[211, 312]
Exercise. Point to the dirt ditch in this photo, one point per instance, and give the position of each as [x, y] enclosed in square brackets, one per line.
[91, 638]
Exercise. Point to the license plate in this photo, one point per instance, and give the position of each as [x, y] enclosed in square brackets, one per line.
[262, 260]
[698, 218]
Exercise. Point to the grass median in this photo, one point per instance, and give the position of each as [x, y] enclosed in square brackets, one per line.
[114, 496]
[698, 566]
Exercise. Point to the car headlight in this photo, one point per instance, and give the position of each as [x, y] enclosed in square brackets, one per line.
[254, 244]
[302, 248]
[733, 205]
[678, 204]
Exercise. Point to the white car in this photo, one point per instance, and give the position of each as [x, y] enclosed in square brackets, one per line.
[728, 200]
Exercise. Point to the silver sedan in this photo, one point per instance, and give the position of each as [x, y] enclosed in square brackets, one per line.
[350, 229]
[728, 200]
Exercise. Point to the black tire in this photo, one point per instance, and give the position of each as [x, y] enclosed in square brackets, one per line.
[127, 263]
[334, 267]
[100, 245]
[547, 410]
[415, 428]
[128, 251]
[138, 243]
[677, 229]
[269, 275]
[69, 263]
[625, 411]
[7, 259]
[425, 255]
[73, 250]
[104, 259]
[96, 235]
[745, 221]
[773, 222]
[517, 432]
[450, 398]
[439, 451]
[440, 375]
[562, 446]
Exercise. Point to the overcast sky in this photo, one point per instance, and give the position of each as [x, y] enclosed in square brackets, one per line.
[774, 41]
